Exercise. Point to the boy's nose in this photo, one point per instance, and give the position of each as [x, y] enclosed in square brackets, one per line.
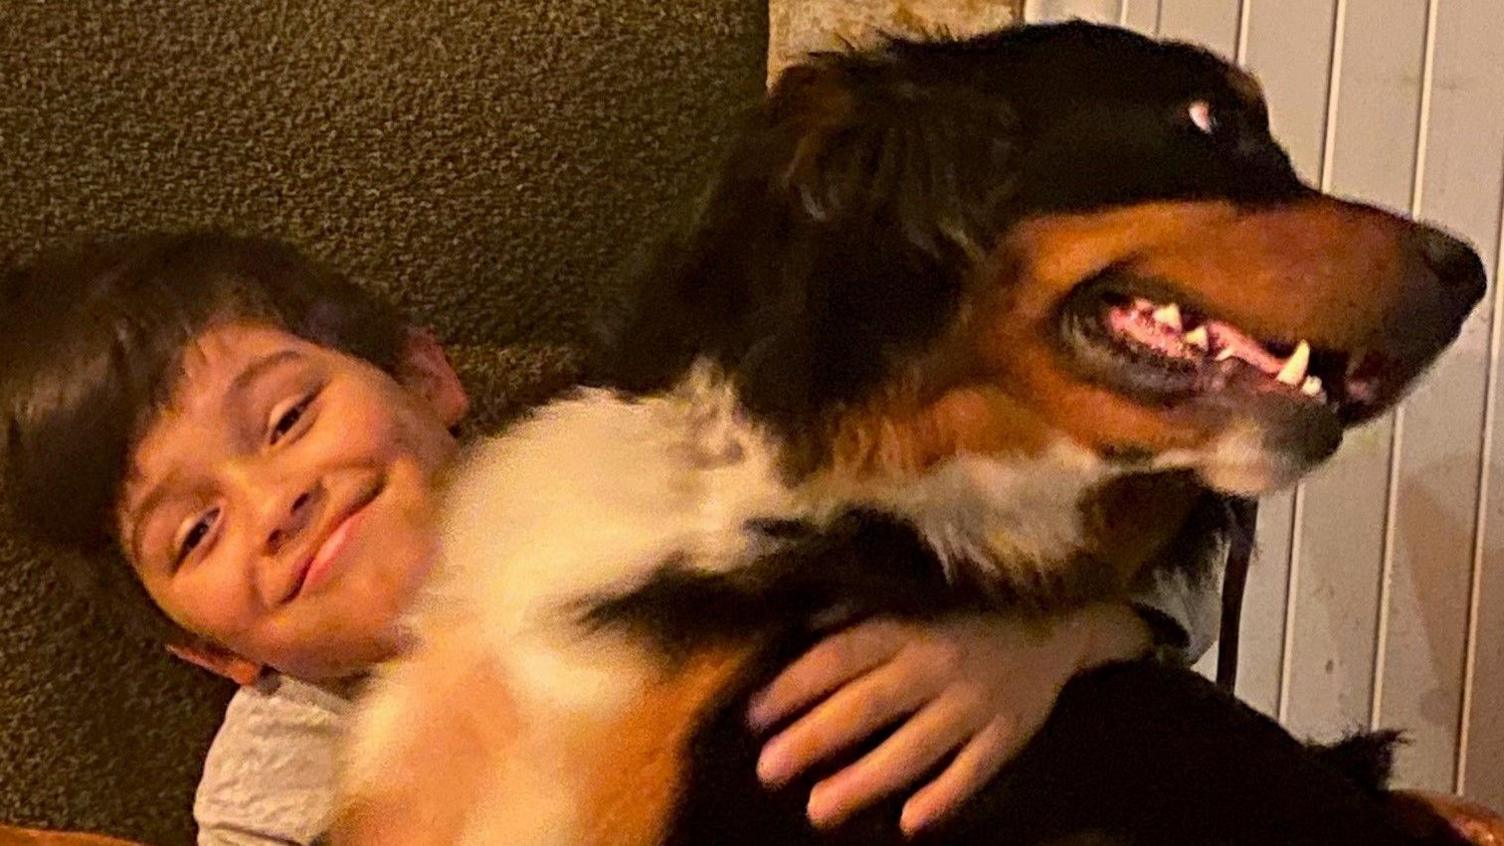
[290, 521]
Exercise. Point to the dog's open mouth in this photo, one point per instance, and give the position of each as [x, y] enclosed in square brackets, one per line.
[1153, 347]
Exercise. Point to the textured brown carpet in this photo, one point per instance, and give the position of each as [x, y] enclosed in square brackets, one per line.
[488, 163]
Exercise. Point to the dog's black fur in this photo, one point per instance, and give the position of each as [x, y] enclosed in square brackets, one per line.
[809, 276]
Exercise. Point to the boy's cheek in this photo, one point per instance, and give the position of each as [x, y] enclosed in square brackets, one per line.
[413, 506]
[206, 605]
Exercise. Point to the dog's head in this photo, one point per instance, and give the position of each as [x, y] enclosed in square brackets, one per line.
[1051, 233]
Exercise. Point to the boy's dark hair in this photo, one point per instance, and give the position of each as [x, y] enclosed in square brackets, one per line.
[91, 343]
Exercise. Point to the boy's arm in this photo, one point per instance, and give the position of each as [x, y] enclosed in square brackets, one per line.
[976, 686]
[269, 776]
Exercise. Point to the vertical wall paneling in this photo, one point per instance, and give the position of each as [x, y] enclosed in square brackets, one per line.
[1435, 505]
[1396, 435]
[1481, 739]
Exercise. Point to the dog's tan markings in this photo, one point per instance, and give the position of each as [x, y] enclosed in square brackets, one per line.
[900, 436]
[462, 721]
[638, 765]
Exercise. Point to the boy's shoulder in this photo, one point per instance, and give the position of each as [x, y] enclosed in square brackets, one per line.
[270, 770]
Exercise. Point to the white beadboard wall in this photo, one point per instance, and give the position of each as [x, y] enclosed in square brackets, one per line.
[1377, 592]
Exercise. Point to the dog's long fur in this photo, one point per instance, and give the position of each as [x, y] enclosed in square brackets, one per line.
[873, 378]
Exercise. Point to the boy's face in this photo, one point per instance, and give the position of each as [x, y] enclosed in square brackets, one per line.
[281, 506]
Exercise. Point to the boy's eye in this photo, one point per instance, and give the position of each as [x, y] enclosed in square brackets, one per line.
[288, 420]
[196, 534]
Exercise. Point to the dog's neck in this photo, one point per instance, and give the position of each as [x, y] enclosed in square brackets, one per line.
[1015, 515]
[1028, 522]
[1063, 522]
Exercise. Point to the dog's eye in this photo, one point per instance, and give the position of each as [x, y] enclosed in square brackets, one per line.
[1202, 116]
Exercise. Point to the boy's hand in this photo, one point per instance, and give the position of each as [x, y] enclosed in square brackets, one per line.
[978, 686]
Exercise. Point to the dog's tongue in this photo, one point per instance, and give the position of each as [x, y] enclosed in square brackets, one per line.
[1230, 343]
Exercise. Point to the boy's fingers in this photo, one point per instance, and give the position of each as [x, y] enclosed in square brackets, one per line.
[972, 768]
[901, 759]
[850, 714]
[832, 663]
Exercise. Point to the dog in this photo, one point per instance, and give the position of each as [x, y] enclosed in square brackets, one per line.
[1006, 322]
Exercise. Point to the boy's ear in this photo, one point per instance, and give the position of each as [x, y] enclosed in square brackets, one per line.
[426, 369]
[219, 661]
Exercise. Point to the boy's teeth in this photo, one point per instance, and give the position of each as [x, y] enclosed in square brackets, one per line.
[1294, 370]
[1311, 387]
[1199, 338]
[1169, 316]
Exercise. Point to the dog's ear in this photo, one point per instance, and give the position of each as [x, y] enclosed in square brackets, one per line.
[890, 179]
[887, 139]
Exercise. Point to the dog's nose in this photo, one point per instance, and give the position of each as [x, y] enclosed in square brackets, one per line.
[1456, 264]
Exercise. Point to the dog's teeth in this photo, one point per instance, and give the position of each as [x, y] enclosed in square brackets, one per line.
[1169, 316]
[1294, 371]
[1311, 387]
[1199, 338]
[1224, 354]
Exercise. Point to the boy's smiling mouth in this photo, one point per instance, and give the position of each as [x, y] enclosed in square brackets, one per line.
[315, 569]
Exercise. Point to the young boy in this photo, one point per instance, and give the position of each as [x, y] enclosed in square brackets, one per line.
[240, 449]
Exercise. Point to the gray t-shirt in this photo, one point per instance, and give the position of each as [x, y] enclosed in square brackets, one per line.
[269, 776]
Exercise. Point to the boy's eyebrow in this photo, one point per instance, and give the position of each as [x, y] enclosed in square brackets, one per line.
[255, 370]
[143, 510]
